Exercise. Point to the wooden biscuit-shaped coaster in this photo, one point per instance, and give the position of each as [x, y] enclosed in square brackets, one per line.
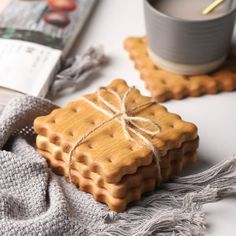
[107, 151]
[119, 190]
[55, 153]
[114, 167]
[103, 195]
[165, 85]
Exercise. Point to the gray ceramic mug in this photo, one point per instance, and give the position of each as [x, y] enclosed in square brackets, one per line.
[187, 46]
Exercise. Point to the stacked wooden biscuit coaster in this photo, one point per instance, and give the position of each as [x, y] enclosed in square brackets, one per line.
[114, 168]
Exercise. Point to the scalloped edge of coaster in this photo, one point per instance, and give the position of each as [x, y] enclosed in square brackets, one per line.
[165, 85]
[101, 194]
[118, 190]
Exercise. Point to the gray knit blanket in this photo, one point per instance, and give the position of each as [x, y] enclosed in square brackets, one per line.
[35, 201]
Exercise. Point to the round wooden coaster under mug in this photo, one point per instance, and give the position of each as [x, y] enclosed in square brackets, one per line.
[183, 39]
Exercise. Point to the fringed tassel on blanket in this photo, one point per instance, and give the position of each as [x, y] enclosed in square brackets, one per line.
[78, 69]
[176, 209]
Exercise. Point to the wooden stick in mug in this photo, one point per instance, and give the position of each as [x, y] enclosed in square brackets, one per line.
[212, 6]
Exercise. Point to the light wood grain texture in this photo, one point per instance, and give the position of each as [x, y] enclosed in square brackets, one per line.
[115, 201]
[118, 190]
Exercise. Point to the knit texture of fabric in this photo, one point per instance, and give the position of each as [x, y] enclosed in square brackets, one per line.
[35, 201]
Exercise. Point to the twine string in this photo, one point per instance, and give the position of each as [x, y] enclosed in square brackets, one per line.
[128, 123]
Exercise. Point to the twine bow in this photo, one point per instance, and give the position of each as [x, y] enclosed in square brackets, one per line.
[128, 123]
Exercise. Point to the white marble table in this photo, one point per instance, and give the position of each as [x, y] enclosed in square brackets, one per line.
[215, 116]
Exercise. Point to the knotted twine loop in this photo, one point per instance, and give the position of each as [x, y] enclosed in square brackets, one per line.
[127, 121]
